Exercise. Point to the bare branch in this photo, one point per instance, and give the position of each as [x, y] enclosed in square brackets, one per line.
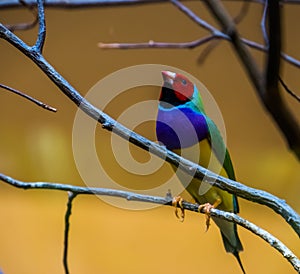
[37, 102]
[290, 59]
[28, 25]
[215, 34]
[229, 27]
[293, 94]
[293, 61]
[73, 191]
[42, 27]
[104, 3]
[79, 3]
[273, 57]
[263, 24]
[205, 53]
[192, 44]
[197, 19]
[23, 26]
[152, 44]
[243, 12]
[71, 197]
[272, 97]
[187, 166]
[275, 243]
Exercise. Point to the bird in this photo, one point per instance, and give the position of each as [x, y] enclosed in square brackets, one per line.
[183, 127]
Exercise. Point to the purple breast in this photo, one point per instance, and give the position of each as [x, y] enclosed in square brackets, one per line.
[180, 127]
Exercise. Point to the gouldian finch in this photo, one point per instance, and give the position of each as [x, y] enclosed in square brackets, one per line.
[183, 127]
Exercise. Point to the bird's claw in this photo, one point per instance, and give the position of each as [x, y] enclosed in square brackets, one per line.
[205, 208]
[177, 202]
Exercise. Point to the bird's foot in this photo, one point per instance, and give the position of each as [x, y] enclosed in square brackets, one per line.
[177, 203]
[205, 208]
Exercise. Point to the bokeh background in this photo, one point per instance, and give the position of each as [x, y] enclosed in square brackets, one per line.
[36, 145]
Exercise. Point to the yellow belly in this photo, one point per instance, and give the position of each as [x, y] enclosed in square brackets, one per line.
[203, 192]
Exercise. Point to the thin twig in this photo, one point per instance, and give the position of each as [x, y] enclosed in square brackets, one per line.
[263, 24]
[193, 44]
[207, 50]
[293, 94]
[187, 166]
[202, 23]
[153, 44]
[293, 61]
[22, 26]
[37, 102]
[243, 12]
[273, 57]
[28, 25]
[290, 59]
[211, 46]
[42, 27]
[71, 197]
[131, 196]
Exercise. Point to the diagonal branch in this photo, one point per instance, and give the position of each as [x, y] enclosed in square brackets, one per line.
[242, 13]
[275, 243]
[73, 191]
[187, 166]
[202, 23]
[290, 92]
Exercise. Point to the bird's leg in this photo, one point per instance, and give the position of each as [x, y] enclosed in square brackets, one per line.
[206, 209]
[177, 202]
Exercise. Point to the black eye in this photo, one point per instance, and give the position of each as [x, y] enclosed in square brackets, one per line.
[183, 82]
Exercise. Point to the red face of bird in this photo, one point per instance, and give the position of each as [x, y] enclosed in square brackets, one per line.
[183, 88]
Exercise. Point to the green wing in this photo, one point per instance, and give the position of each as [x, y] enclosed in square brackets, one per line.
[222, 154]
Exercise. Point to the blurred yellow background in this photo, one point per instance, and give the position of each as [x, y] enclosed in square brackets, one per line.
[36, 145]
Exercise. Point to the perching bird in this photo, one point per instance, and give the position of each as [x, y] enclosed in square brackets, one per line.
[183, 126]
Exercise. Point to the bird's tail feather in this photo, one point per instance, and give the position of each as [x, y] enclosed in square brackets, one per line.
[236, 254]
[234, 249]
